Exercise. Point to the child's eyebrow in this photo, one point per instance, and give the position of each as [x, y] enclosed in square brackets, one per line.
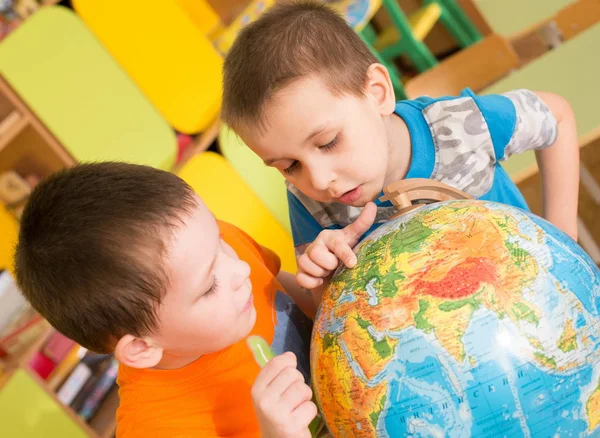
[320, 128]
[317, 130]
[211, 266]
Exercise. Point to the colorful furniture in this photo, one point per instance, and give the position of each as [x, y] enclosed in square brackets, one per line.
[52, 61]
[516, 17]
[224, 40]
[164, 53]
[28, 411]
[228, 196]
[465, 69]
[577, 17]
[457, 22]
[207, 20]
[405, 35]
[397, 39]
[266, 182]
[203, 16]
[8, 238]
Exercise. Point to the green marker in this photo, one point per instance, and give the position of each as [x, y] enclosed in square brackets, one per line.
[263, 354]
[260, 349]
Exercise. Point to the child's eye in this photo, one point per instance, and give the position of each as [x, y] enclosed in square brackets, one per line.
[213, 288]
[292, 168]
[332, 144]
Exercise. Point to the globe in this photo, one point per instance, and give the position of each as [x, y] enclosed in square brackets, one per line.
[461, 318]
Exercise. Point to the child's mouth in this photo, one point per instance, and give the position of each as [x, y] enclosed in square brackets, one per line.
[351, 195]
[248, 304]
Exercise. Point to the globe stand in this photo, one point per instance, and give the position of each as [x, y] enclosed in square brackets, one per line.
[409, 194]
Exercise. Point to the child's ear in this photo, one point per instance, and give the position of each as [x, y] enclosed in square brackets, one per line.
[137, 352]
[379, 87]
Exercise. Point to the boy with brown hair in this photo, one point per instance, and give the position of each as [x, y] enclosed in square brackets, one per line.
[127, 259]
[306, 95]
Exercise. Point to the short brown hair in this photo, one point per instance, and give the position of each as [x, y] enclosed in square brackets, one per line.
[288, 42]
[90, 252]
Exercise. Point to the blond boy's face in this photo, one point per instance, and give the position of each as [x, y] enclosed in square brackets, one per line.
[332, 148]
[208, 305]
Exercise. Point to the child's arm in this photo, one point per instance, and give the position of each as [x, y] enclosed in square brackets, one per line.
[559, 167]
[302, 297]
[330, 247]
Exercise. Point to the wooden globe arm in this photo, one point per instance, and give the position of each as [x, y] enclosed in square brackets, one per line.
[410, 194]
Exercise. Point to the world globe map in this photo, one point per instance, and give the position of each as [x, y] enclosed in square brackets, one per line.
[461, 318]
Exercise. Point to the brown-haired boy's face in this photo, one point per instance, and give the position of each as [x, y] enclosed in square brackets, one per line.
[208, 305]
[332, 148]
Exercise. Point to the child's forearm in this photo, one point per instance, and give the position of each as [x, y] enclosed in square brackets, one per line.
[559, 168]
[302, 297]
[317, 292]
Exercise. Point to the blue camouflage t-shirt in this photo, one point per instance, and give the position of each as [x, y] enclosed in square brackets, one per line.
[459, 141]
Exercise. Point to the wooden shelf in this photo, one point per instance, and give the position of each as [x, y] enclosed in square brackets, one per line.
[29, 148]
[102, 425]
[104, 421]
[10, 127]
[21, 360]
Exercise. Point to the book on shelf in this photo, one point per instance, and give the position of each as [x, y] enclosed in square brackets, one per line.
[98, 365]
[20, 324]
[41, 364]
[65, 367]
[73, 384]
[12, 302]
[57, 347]
[105, 383]
[84, 378]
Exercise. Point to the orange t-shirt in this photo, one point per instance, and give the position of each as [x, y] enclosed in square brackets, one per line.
[211, 396]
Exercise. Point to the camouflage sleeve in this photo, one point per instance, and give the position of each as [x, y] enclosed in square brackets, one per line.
[464, 152]
[535, 127]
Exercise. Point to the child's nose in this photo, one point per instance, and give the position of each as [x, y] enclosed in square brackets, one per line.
[241, 272]
[320, 178]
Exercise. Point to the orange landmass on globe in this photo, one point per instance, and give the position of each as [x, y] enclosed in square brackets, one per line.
[372, 355]
[568, 338]
[450, 328]
[399, 316]
[459, 281]
[592, 408]
[345, 399]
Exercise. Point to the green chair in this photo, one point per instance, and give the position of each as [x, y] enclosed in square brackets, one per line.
[456, 21]
[395, 74]
[406, 34]
[80, 93]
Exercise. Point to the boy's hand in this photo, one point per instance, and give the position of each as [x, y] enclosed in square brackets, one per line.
[331, 246]
[282, 400]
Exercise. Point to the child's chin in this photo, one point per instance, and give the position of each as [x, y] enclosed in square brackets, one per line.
[251, 322]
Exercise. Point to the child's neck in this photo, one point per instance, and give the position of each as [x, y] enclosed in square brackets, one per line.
[173, 362]
[399, 148]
